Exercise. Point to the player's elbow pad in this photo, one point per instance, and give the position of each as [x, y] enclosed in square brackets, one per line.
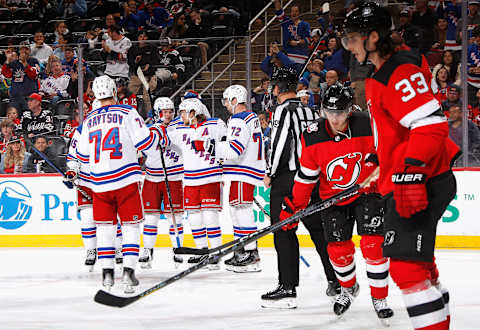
[427, 141]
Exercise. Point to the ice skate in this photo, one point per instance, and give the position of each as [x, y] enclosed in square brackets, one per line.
[333, 290]
[90, 259]
[228, 263]
[247, 262]
[146, 258]
[129, 280]
[283, 297]
[108, 278]
[177, 260]
[118, 256]
[345, 299]
[384, 312]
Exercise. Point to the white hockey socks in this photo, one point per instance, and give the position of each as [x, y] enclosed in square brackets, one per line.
[105, 245]
[150, 230]
[178, 220]
[89, 228]
[243, 223]
[211, 220]
[198, 229]
[118, 239]
[131, 244]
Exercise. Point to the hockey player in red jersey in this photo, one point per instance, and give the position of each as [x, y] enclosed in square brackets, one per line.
[338, 151]
[415, 156]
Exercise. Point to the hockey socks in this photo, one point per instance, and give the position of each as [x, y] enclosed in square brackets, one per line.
[105, 245]
[377, 265]
[89, 228]
[118, 239]
[199, 231]
[212, 224]
[243, 223]
[150, 230]
[342, 258]
[424, 302]
[131, 244]
[178, 220]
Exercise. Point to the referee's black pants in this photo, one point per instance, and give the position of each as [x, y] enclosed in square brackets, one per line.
[286, 242]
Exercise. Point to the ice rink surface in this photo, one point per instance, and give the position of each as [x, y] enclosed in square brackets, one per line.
[50, 289]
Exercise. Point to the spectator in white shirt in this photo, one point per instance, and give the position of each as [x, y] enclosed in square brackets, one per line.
[39, 49]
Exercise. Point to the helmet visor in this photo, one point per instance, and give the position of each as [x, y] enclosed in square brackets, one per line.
[351, 39]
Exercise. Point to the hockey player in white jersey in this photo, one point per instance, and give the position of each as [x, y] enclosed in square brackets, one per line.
[202, 177]
[244, 166]
[111, 137]
[80, 173]
[154, 190]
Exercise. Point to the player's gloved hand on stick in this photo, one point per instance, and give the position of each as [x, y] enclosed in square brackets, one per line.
[288, 210]
[410, 191]
[371, 162]
[70, 177]
[204, 145]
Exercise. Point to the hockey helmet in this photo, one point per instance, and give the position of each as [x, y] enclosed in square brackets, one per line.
[235, 92]
[338, 99]
[162, 103]
[367, 17]
[191, 94]
[104, 87]
[194, 105]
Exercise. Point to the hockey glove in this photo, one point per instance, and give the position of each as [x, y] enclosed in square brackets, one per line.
[204, 145]
[70, 177]
[371, 162]
[409, 191]
[288, 210]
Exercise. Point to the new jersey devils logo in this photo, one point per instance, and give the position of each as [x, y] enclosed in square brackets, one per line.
[344, 171]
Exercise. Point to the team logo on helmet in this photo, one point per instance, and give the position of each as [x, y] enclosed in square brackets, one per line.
[344, 171]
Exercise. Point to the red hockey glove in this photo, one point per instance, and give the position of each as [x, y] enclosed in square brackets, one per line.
[288, 210]
[70, 177]
[409, 191]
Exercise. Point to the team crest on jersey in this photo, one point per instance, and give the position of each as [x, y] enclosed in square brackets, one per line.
[312, 127]
[344, 171]
[389, 238]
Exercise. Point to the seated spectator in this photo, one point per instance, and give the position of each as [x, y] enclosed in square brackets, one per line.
[73, 123]
[304, 97]
[302, 84]
[40, 50]
[453, 98]
[264, 118]
[114, 51]
[69, 63]
[172, 67]
[410, 34]
[7, 128]
[455, 125]
[142, 54]
[37, 164]
[315, 72]
[15, 160]
[473, 56]
[275, 61]
[197, 29]
[449, 60]
[12, 114]
[336, 58]
[154, 18]
[177, 29]
[473, 19]
[57, 85]
[124, 95]
[451, 12]
[331, 78]
[131, 19]
[440, 84]
[63, 40]
[60, 30]
[24, 75]
[36, 120]
[474, 111]
[424, 18]
[296, 33]
[260, 95]
[67, 8]
[440, 34]
[316, 35]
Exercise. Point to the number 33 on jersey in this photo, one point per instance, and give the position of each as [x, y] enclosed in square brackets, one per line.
[110, 139]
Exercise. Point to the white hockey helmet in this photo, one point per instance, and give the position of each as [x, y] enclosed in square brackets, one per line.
[104, 87]
[163, 103]
[235, 91]
[195, 105]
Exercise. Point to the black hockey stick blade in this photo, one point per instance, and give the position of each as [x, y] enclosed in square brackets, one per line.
[106, 298]
[189, 250]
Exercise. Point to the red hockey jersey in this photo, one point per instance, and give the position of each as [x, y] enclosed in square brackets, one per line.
[402, 105]
[338, 161]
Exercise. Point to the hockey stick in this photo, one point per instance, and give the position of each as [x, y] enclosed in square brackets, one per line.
[142, 78]
[49, 162]
[106, 298]
[268, 215]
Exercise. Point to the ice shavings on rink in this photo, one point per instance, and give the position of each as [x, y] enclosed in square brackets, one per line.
[50, 289]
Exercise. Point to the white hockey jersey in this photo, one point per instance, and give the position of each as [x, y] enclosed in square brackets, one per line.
[110, 139]
[243, 151]
[117, 64]
[172, 155]
[56, 85]
[73, 162]
[199, 167]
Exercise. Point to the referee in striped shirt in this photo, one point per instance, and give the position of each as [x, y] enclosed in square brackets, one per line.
[290, 118]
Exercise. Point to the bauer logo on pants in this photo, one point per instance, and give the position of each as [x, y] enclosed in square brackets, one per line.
[15, 208]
